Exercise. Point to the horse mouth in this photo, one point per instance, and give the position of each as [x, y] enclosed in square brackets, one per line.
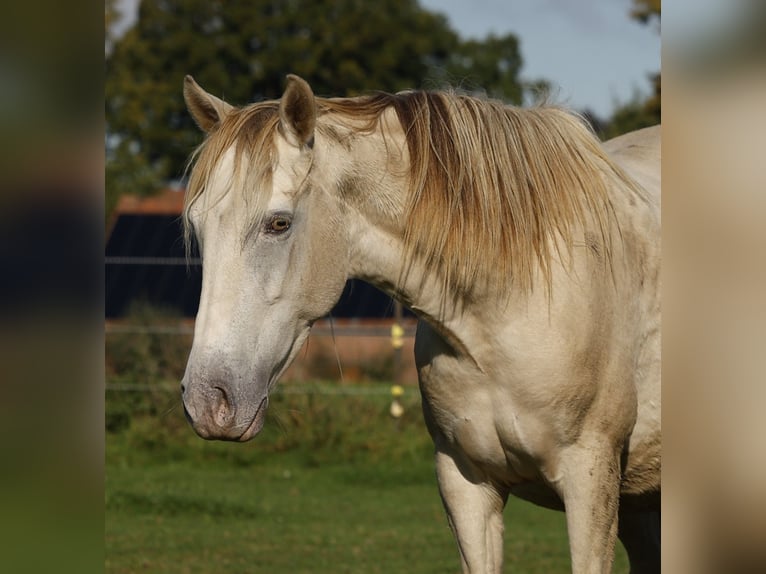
[256, 424]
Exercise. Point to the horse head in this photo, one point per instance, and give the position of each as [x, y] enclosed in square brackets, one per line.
[275, 257]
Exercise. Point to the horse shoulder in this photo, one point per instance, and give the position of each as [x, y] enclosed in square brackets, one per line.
[539, 370]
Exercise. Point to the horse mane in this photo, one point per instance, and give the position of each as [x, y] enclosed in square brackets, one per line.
[494, 189]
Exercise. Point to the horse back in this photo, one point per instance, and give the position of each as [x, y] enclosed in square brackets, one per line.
[639, 154]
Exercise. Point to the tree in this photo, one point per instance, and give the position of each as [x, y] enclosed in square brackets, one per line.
[646, 10]
[112, 15]
[490, 66]
[242, 49]
[637, 114]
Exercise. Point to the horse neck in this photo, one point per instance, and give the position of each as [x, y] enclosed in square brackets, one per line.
[375, 205]
[378, 258]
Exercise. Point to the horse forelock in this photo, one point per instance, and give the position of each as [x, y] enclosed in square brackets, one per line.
[249, 133]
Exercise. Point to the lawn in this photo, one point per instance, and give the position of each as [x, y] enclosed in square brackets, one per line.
[332, 485]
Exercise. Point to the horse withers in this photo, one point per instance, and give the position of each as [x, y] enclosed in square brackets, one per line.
[529, 251]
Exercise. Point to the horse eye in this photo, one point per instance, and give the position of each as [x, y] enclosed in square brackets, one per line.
[279, 224]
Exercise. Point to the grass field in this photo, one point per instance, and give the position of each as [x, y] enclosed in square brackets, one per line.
[331, 485]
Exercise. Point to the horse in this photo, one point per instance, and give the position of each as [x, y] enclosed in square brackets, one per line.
[529, 251]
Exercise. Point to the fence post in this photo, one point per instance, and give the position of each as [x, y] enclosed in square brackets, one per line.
[397, 342]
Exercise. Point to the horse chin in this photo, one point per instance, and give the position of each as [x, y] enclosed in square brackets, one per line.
[256, 424]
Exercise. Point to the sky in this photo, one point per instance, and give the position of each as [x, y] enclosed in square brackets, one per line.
[590, 51]
[593, 54]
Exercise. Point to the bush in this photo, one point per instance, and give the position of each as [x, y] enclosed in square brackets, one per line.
[317, 422]
[313, 422]
[150, 352]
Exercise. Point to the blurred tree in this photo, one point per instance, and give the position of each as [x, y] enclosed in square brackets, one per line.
[646, 10]
[637, 113]
[241, 50]
[489, 66]
[112, 15]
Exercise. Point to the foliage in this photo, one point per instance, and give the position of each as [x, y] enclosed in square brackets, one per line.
[490, 66]
[629, 116]
[315, 422]
[112, 15]
[646, 10]
[140, 359]
[639, 112]
[129, 172]
[147, 354]
[241, 50]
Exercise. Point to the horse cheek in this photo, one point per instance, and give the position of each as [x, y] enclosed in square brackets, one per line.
[327, 277]
[328, 261]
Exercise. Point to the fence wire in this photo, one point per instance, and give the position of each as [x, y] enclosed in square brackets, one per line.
[138, 260]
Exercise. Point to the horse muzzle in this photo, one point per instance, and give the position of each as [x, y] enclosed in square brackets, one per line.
[215, 412]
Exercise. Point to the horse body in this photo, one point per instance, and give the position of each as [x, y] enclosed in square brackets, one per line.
[540, 380]
[563, 383]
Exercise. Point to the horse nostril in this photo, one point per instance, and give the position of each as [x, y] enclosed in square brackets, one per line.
[183, 388]
[224, 409]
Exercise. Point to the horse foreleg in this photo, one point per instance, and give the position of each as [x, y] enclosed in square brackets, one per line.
[588, 480]
[475, 513]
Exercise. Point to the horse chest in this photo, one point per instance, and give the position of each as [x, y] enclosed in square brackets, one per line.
[463, 409]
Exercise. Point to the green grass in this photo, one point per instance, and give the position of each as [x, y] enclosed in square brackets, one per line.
[331, 485]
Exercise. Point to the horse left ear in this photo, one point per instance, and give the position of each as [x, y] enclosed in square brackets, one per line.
[207, 110]
[297, 112]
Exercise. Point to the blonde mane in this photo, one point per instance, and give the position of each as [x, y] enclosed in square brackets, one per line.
[249, 131]
[494, 189]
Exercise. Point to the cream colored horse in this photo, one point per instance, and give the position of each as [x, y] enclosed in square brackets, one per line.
[530, 252]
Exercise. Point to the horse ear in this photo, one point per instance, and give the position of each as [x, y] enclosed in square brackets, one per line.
[206, 109]
[297, 112]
